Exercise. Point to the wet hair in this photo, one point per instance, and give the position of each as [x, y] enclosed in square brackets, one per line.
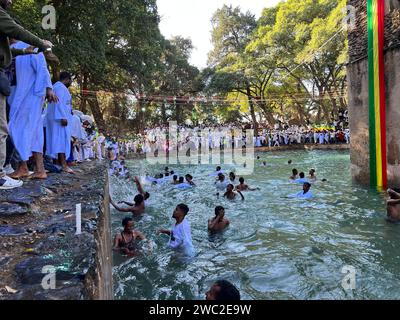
[294, 171]
[302, 175]
[125, 221]
[146, 195]
[219, 168]
[188, 176]
[184, 208]
[258, 157]
[307, 184]
[161, 176]
[167, 174]
[181, 179]
[175, 177]
[232, 174]
[138, 199]
[218, 209]
[227, 292]
[241, 180]
[289, 162]
[231, 185]
[65, 76]
[172, 172]
[166, 169]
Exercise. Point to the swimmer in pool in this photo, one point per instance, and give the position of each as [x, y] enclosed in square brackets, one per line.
[136, 209]
[294, 175]
[230, 194]
[244, 187]
[221, 184]
[180, 235]
[140, 188]
[312, 177]
[218, 223]
[189, 180]
[223, 290]
[393, 208]
[232, 177]
[302, 178]
[264, 164]
[125, 242]
[217, 171]
[305, 194]
[175, 180]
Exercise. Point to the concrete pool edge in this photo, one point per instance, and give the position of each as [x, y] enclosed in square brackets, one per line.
[42, 235]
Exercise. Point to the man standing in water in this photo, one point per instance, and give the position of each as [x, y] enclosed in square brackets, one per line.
[230, 194]
[125, 242]
[180, 235]
[305, 194]
[218, 223]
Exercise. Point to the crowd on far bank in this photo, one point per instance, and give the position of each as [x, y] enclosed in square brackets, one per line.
[219, 137]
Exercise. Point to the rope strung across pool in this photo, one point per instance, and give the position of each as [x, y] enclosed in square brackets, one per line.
[377, 103]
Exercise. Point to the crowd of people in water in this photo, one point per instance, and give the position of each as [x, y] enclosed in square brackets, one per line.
[227, 185]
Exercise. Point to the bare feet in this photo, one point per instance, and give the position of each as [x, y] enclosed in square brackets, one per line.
[68, 170]
[20, 173]
[38, 176]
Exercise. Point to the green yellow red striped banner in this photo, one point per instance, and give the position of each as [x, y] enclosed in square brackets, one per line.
[377, 95]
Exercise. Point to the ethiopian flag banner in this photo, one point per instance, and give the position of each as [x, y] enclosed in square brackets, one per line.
[377, 102]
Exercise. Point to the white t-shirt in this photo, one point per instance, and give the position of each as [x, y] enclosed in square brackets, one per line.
[181, 238]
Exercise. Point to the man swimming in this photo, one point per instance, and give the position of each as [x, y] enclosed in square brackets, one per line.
[180, 235]
[136, 209]
[230, 194]
[218, 223]
[244, 187]
[393, 209]
[232, 177]
[125, 242]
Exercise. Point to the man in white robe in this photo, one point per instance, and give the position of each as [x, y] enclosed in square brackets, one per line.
[33, 85]
[76, 133]
[58, 130]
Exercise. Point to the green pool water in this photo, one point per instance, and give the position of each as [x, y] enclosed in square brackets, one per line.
[275, 248]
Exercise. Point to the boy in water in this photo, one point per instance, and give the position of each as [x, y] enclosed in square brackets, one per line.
[244, 187]
[218, 223]
[125, 242]
[230, 194]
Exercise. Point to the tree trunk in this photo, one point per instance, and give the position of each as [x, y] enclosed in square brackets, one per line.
[84, 90]
[98, 116]
[252, 111]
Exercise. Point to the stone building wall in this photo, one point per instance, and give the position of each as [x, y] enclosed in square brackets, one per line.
[357, 71]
